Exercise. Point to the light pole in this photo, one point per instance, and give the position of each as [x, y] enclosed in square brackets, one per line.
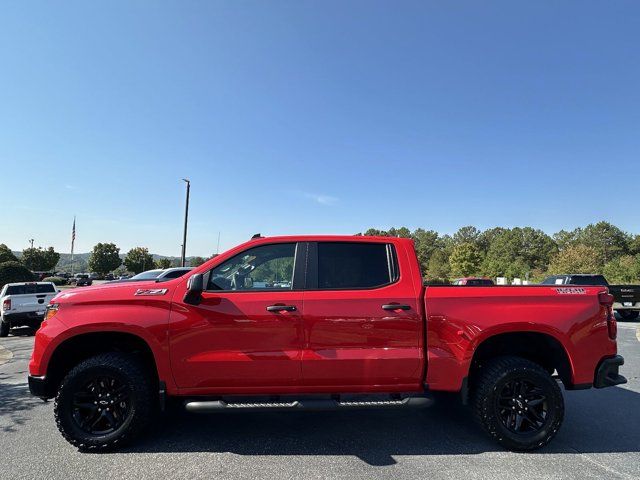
[186, 217]
[31, 242]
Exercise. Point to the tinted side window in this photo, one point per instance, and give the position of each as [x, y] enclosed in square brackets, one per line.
[354, 265]
[259, 268]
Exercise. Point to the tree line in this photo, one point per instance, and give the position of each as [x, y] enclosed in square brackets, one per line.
[104, 258]
[524, 252]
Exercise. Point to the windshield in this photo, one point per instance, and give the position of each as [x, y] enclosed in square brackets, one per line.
[148, 275]
[175, 273]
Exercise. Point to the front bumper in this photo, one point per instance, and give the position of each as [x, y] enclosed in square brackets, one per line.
[39, 387]
[607, 373]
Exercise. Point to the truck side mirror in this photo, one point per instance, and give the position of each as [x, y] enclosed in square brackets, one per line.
[195, 287]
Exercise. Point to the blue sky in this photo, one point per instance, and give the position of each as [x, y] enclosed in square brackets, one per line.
[314, 117]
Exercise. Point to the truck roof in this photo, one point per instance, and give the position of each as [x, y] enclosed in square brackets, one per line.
[27, 283]
[329, 238]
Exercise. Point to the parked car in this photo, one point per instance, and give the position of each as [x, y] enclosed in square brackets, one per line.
[318, 322]
[473, 281]
[81, 280]
[109, 276]
[158, 274]
[626, 297]
[24, 304]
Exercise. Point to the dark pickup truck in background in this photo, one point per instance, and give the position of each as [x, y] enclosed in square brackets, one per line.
[626, 297]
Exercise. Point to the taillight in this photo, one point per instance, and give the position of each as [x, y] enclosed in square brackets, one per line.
[606, 300]
[6, 305]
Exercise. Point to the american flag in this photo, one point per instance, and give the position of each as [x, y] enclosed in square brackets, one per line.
[73, 234]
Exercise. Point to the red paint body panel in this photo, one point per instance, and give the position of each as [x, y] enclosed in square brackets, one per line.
[460, 318]
[336, 340]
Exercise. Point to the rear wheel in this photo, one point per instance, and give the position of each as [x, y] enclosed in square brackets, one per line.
[4, 328]
[104, 402]
[628, 315]
[518, 403]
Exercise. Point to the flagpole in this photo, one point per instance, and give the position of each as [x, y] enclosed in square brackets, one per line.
[73, 239]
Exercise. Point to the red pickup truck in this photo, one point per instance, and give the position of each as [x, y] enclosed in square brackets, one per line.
[319, 322]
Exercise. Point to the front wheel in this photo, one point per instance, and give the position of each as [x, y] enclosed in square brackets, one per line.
[628, 315]
[104, 402]
[4, 329]
[518, 403]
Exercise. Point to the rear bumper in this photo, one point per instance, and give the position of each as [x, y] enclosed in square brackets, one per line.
[39, 387]
[607, 373]
[31, 319]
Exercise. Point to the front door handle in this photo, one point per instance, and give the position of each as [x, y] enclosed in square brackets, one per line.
[395, 306]
[281, 308]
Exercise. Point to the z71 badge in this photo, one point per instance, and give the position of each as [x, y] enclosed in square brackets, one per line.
[571, 291]
[151, 291]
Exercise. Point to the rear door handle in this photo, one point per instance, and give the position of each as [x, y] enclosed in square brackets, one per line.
[395, 306]
[281, 308]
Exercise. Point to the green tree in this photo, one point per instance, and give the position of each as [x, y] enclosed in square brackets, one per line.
[565, 239]
[607, 239]
[468, 234]
[486, 238]
[518, 250]
[426, 242]
[624, 269]
[138, 260]
[6, 255]
[465, 259]
[11, 272]
[39, 259]
[576, 259]
[438, 267]
[634, 245]
[197, 261]
[104, 258]
[163, 263]
[402, 232]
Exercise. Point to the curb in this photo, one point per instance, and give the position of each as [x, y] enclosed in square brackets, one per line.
[5, 355]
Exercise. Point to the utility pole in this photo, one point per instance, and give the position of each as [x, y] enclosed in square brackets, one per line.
[218, 247]
[186, 218]
[31, 242]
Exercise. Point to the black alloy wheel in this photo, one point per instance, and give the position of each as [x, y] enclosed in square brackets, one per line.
[517, 402]
[102, 405]
[522, 406]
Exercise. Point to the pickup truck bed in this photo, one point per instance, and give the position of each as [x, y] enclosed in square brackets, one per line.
[24, 304]
[319, 322]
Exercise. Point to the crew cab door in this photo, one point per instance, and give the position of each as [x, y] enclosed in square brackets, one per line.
[362, 322]
[245, 334]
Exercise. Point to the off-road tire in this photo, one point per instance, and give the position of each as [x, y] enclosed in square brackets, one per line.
[4, 329]
[628, 315]
[142, 397]
[489, 384]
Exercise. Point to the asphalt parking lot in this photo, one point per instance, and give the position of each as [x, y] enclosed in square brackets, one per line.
[600, 438]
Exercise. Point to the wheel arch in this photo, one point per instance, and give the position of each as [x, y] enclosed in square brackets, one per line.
[542, 348]
[73, 350]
